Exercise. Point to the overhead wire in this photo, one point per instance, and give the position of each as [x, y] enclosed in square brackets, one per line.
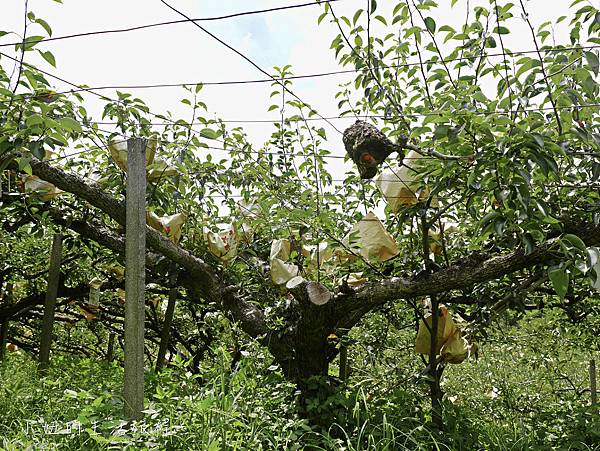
[379, 116]
[272, 79]
[174, 22]
[246, 58]
[304, 76]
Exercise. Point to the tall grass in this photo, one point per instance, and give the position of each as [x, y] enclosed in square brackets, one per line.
[516, 397]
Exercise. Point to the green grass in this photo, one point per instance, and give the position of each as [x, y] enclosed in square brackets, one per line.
[524, 393]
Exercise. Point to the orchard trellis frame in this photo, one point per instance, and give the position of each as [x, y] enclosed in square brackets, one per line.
[462, 145]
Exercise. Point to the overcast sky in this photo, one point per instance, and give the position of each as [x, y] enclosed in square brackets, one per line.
[183, 53]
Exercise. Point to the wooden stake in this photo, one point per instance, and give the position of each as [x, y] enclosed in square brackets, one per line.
[110, 352]
[135, 277]
[166, 329]
[593, 391]
[4, 324]
[343, 362]
[50, 304]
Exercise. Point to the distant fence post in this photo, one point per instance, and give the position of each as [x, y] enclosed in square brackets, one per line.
[135, 277]
[50, 304]
[166, 329]
[593, 392]
[4, 324]
[110, 352]
[343, 362]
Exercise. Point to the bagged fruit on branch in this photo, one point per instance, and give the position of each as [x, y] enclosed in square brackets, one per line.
[400, 187]
[223, 244]
[41, 189]
[118, 152]
[446, 327]
[371, 240]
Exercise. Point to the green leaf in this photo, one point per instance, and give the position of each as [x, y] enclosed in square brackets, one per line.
[33, 120]
[560, 281]
[430, 24]
[357, 16]
[539, 139]
[321, 17]
[45, 26]
[30, 42]
[491, 42]
[70, 124]
[381, 19]
[528, 242]
[49, 57]
[575, 241]
[441, 131]
[27, 169]
[24, 164]
[208, 133]
[499, 226]
[592, 60]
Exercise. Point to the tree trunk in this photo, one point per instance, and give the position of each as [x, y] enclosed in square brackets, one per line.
[310, 369]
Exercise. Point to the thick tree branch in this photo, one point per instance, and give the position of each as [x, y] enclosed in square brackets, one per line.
[351, 307]
[93, 194]
[199, 277]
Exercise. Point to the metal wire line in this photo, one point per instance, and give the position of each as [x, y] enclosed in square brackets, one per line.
[174, 22]
[246, 58]
[375, 116]
[185, 125]
[314, 75]
[103, 97]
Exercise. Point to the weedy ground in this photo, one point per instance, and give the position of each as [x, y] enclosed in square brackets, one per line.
[526, 391]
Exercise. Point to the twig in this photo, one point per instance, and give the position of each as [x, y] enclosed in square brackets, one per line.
[421, 65]
[397, 107]
[437, 47]
[20, 66]
[543, 67]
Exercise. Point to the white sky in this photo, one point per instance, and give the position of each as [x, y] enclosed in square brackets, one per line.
[183, 53]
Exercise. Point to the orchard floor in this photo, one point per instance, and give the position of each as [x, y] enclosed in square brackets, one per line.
[528, 390]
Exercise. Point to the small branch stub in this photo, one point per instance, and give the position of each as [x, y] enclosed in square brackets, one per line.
[307, 291]
[317, 293]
